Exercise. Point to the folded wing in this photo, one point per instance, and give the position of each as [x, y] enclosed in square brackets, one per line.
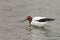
[45, 19]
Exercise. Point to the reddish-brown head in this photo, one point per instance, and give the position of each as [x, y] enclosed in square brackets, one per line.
[29, 18]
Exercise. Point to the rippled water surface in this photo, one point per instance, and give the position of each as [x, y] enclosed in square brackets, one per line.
[12, 11]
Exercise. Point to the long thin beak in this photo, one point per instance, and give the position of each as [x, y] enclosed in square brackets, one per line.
[22, 20]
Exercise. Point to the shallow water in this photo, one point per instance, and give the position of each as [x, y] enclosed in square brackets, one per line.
[12, 11]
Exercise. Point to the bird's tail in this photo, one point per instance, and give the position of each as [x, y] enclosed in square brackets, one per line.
[50, 19]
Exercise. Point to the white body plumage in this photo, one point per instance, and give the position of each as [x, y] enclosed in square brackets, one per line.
[37, 23]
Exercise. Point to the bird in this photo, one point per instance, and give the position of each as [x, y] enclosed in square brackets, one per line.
[38, 20]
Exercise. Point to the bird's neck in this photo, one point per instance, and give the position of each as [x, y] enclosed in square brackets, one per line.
[30, 21]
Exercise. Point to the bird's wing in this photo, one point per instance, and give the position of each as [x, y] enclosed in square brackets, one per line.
[45, 19]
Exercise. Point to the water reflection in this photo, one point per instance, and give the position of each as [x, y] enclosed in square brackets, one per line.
[39, 28]
[38, 33]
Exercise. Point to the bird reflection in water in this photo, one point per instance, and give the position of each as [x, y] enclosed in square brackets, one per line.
[45, 31]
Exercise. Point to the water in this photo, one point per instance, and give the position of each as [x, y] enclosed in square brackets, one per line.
[12, 11]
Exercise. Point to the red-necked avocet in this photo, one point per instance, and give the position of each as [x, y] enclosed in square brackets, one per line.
[38, 21]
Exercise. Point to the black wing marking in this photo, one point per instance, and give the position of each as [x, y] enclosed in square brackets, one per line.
[45, 19]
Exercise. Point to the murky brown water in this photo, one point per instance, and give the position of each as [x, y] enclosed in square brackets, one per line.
[12, 11]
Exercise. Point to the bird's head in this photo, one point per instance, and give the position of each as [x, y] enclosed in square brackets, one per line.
[29, 18]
